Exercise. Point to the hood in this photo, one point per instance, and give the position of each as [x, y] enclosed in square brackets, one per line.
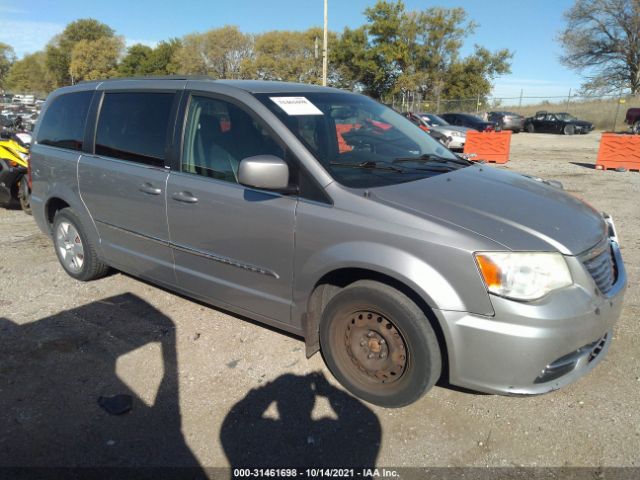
[513, 210]
[450, 128]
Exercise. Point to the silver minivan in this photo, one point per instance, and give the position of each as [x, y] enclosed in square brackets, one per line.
[330, 216]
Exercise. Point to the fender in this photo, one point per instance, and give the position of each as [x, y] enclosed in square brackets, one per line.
[423, 279]
[68, 193]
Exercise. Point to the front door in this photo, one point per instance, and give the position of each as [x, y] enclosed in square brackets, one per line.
[232, 245]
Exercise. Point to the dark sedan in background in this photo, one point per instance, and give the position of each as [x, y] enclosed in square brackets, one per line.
[470, 121]
[507, 121]
[547, 122]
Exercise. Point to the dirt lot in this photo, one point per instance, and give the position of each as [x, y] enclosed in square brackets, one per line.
[212, 389]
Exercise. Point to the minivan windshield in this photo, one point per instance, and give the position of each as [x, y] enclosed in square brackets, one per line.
[360, 142]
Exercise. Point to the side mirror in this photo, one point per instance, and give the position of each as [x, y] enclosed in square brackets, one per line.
[264, 171]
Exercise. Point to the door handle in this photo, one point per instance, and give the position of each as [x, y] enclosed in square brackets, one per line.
[150, 189]
[185, 197]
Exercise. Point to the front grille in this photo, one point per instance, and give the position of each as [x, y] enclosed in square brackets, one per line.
[602, 269]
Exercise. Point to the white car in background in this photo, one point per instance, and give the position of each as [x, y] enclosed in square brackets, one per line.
[458, 135]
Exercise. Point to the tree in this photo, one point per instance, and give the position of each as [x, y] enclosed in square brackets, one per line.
[30, 75]
[400, 51]
[602, 41]
[60, 48]
[7, 57]
[218, 53]
[288, 56]
[133, 63]
[161, 59]
[95, 59]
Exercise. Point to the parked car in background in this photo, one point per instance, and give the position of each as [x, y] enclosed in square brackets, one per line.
[424, 126]
[457, 135]
[562, 122]
[507, 120]
[632, 118]
[470, 121]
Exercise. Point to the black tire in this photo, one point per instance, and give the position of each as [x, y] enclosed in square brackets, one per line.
[379, 344]
[530, 128]
[91, 266]
[569, 129]
[636, 127]
[516, 130]
[24, 195]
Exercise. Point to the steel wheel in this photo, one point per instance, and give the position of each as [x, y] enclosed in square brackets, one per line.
[69, 245]
[379, 344]
[375, 351]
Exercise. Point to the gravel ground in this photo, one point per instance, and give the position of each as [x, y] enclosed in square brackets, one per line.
[212, 389]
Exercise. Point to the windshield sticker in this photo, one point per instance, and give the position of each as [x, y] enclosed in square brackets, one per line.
[296, 105]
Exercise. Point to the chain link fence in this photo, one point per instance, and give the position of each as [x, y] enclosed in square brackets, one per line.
[606, 112]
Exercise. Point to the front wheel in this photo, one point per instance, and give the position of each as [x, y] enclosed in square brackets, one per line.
[569, 129]
[636, 127]
[24, 195]
[530, 128]
[379, 344]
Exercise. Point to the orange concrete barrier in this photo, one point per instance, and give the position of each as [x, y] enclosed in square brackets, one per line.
[489, 146]
[619, 151]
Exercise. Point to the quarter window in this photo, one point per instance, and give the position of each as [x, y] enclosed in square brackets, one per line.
[134, 126]
[219, 135]
[64, 121]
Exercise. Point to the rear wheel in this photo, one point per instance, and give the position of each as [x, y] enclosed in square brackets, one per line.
[530, 128]
[569, 129]
[76, 253]
[379, 344]
[636, 127]
[24, 195]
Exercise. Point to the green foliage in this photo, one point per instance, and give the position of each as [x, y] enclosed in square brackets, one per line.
[30, 75]
[133, 64]
[287, 56]
[7, 57]
[60, 48]
[95, 59]
[420, 52]
[219, 53]
[602, 41]
[161, 59]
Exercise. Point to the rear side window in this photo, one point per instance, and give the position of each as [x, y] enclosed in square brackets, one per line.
[133, 126]
[64, 120]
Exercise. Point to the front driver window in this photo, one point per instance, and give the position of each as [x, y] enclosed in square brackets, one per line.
[218, 136]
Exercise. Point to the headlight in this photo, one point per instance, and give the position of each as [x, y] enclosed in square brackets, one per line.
[523, 276]
[457, 134]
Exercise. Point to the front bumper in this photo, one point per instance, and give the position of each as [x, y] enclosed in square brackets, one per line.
[530, 348]
[513, 125]
[457, 143]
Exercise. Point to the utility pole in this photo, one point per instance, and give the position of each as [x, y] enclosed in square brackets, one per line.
[520, 102]
[324, 46]
[568, 100]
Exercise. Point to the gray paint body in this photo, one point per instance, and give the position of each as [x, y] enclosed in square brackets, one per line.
[261, 254]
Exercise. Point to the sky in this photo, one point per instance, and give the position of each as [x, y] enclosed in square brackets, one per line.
[528, 28]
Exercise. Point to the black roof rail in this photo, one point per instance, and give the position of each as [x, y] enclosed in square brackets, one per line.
[157, 77]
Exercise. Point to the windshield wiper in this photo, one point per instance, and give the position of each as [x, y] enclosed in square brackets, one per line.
[431, 157]
[370, 165]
